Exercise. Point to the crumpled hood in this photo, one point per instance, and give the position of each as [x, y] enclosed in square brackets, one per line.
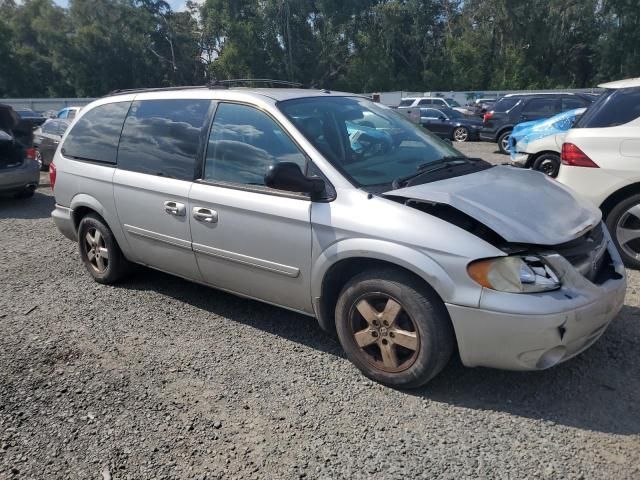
[522, 206]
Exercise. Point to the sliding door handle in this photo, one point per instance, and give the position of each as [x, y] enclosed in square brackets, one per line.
[175, 208]
[205, 215]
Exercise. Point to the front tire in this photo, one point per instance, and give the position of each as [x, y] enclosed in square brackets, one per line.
[100, 252]
[503, 142]
[623, 223]
[549, 164]
[394, 328]
[461, 134]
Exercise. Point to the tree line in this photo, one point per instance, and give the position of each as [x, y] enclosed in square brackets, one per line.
[95, 46]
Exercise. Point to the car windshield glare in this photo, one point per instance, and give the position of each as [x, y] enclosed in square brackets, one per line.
[369, 143]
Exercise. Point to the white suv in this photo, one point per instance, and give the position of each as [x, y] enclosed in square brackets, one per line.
[601, 161]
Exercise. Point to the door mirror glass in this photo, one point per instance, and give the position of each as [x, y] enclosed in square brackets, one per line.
[288, 176]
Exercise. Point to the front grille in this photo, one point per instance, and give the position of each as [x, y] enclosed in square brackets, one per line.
[588, 253]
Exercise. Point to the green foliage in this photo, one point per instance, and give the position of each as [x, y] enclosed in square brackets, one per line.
[95, 46]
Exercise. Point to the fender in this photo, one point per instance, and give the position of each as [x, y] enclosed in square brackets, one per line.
[401, 255]
[84, 200]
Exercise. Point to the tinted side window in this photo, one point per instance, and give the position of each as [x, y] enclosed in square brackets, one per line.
[505, 104]
[50, 127]
[543, 107]
[244, 142]
[615, 107]
[569, 103]
[430, 113]
[425, 102]
[162, 137]
[95, 136]
[439, 102]
[405, 103]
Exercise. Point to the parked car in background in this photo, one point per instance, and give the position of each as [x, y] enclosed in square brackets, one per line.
[538, 144]
[449, 123]
[409, 254]
[31, 117]
[512, 109]
[19, 171]
[68, 112]
[410, 106]
[482, 105]
[601, 162]
[46, 139]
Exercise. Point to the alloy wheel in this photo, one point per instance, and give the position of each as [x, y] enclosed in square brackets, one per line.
[460, 134]
[97, 252]
[505, 143]
[385, 332]
[628, 231]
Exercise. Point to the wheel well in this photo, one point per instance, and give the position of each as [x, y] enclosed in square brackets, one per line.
[502, 130]
[617, 196]
[339, 274]
[535, 156]
[81, 212]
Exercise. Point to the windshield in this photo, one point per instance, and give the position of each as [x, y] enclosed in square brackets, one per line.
[452, 103]
[369, 143]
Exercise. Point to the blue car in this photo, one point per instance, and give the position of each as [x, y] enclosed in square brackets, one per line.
[537, 144]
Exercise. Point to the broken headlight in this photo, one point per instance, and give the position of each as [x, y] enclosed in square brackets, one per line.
[514, 274]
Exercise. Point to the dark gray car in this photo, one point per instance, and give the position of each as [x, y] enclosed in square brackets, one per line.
[19, 171]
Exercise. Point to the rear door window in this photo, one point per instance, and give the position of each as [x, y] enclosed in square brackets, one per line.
[612, 108]
[505, 104]
[162, 137]
[570, 103]
[431, 113]
[425, 102]
[406, 103]
[95, 136]
[541, 107]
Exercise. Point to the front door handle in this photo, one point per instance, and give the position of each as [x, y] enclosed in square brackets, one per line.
[205, 215]
[175, 208]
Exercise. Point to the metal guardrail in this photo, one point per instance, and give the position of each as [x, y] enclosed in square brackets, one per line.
[45, 104]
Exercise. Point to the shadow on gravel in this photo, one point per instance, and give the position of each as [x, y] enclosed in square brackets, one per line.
[276, 321]
[598, 390]
[38, 206]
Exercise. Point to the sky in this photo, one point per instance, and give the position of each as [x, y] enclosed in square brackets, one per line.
[176, 5]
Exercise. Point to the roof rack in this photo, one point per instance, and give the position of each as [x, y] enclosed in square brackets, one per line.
[239, 81]
[212, 85]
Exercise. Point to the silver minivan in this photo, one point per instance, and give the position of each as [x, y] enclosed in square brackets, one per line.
[339, 208]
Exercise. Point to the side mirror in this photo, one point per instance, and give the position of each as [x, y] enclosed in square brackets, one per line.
[288, 176]
[442, 117]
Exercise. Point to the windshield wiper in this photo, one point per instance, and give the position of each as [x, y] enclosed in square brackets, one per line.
[434, 166]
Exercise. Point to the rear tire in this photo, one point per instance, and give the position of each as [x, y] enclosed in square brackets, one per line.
[404, 338]
[100, 252]
[549, 164]
[461, 134]
[623, 222]
[503, 142]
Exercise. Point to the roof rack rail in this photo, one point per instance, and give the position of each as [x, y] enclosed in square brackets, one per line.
[212, 84]
[125, 91]
[238, 81]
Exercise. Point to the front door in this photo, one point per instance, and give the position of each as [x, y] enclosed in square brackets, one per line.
[160, 143]
[248, 238]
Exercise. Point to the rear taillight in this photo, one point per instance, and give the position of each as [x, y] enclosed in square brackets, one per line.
[31, 153]
[487, 116]
[573, 156]
[52, 175]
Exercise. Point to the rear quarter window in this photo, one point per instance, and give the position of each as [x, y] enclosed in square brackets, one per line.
[613, 108]
[95, 136]
[505, 104]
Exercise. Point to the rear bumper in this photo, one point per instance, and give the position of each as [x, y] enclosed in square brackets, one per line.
[519, 159]
[15, 180]
[63, 218]
[538, 331]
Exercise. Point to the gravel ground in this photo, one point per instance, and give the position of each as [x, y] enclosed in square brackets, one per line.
[161, 378]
